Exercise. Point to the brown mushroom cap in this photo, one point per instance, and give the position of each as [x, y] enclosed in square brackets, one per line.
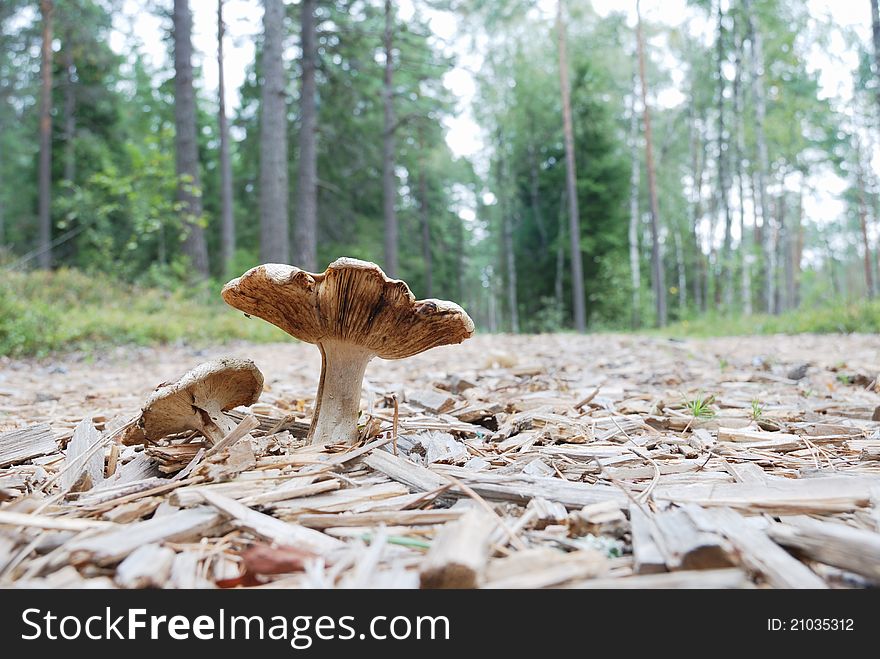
[213, 386]
[353, 302]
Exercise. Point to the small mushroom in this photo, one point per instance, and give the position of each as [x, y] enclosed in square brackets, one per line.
[198, 399]
[352, 312]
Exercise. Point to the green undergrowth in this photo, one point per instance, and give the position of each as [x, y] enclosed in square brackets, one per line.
[65, 310]
[836, 318]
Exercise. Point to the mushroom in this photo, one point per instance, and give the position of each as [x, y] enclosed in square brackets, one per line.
[198, 399]
[352, 312]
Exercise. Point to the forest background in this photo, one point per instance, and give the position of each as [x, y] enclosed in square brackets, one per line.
[699, 166]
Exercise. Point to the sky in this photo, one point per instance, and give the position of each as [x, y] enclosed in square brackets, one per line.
[464, 136]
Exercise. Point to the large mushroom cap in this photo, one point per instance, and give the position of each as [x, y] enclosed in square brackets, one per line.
[210, 387]
[352, 302]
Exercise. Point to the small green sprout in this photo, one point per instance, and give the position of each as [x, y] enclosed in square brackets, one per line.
[757, 410]
[699, 407]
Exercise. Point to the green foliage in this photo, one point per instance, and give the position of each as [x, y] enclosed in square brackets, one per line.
[837, 317]
[69, 310]
[700, 406]
[757, 412]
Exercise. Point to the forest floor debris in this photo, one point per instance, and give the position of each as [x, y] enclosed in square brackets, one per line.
[518, 461]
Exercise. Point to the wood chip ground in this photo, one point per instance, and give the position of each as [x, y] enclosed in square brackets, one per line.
[517, 462]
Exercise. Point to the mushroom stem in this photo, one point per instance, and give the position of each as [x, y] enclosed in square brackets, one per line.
[339, 393]
[215, 424]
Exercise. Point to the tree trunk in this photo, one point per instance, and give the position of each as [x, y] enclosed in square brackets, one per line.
[307, 197]
[535, 196]
[574, 220]
[274, 231]
[493, 307]
[658, 280]
[560, 253]
[634, 261]
[389, 177]
[786, 246]
[723, 183]
[507, 235]
[797, 250]
[763, 164]
[832, 266]
[510, 262]
[189, 186]
[44, 260]
[875, 29]
[459, 258]
[69, 109]
[863, 224]
[740, 148]
[425, 219]
[694, 206]
[680, 270]
[227, 219]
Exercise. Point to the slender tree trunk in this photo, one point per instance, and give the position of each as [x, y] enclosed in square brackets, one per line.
[723, 181]
[44, 259]
[775, 240]
[704, 259]
[658, 279]
[574, 219]
[69, 109]
[787, 249]
[507, 235]
[763, 164]
[425, 218]
[863, 224]
[189, 186]
[227, 219]
[389, 176]
[634, 260]
[307, 198]
[510, 262]
[274, 226]
[560, 253]
[459, 258]
[797, 249]
[535, 196]
[680, 270]
[832, 267]
[493, 307]
[694, 205]
[875, 30]
[740, 148]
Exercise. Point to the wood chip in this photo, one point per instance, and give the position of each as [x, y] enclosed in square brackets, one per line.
[459, 552]
[83, 459]
[19, 445]
[111, 546]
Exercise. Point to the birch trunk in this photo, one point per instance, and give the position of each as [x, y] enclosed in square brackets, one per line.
[658, 279]
[740, 149]
[725, 269]
[634, 261]
[574, 220]
[763, 164]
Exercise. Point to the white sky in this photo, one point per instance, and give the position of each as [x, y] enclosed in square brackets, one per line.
[244, 18]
